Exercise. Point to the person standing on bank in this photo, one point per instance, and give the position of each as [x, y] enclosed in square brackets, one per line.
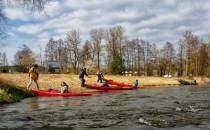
[100, 76]
[33, 76]
[82, 75]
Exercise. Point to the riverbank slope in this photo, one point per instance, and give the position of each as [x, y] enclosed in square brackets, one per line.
[10, 93]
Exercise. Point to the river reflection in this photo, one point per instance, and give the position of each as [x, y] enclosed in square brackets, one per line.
[46, 102]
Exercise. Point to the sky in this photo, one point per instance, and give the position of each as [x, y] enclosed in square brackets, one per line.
[156, 21]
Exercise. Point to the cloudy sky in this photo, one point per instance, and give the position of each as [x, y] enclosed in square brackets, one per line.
[157, 21]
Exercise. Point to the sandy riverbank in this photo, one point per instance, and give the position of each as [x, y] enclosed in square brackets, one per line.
[18, 82]
[54, 80]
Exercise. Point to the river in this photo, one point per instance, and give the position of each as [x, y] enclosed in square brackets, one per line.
[162, 108]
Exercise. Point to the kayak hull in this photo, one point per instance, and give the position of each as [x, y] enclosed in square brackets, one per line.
[117, 83]
[52, 92]
[120, 84]
[109, 88]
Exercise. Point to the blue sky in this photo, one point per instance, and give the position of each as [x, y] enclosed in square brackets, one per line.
[157, 21]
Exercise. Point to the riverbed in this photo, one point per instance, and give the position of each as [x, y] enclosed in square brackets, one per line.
[178, 108]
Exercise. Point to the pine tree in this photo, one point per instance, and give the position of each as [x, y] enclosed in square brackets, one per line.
[117, 65]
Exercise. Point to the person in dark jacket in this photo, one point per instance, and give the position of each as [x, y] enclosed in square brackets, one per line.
[100, 76]
[82, 75]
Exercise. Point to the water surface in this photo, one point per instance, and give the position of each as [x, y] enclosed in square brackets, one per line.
[178, 108]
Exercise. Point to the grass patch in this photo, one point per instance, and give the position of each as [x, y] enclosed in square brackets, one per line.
[4, 97]
[10, 93]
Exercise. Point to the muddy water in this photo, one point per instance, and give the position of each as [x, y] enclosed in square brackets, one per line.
[179, 108]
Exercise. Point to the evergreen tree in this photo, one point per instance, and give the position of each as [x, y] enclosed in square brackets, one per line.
[117, 65]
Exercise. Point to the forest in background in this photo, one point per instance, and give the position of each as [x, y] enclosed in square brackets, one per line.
[110, 50]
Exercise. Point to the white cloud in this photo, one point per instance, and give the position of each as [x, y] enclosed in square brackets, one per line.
[52, 8]
[16, 14]
[170, 2]
[147, 31]
[80, 13]
[30, 28]
[43, 35]
[11, 34]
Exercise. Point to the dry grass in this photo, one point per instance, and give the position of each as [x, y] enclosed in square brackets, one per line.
[53, 80]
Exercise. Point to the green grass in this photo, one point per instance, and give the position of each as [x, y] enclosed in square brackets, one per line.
[10, 93]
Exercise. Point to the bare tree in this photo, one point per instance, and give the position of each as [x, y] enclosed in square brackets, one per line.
[24, 56]
[181, 58]
[97, 36]
[3, 59]
[139, 56]
[87, 53]
[62, 53]
[147, 57]
[168, 53]
[120, 35]
[51, 51]
[203, 56]
[191, 43]
[114, 37]
[73, 42]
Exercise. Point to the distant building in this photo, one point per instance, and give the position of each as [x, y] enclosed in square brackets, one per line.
[4, 69]
[53, 67]
[167, 76]
[13, 69]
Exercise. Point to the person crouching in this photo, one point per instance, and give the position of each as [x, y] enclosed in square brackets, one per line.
[136, 83]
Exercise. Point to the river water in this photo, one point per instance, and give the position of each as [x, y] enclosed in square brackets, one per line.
[178, 108]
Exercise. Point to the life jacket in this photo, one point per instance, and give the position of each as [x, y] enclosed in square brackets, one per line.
[33, 73]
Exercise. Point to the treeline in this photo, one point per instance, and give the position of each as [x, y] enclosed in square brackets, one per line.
[110, 49]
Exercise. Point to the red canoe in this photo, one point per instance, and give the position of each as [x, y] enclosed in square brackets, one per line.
[113, 87]
[53, 92]
[117, 83]
[120, 84]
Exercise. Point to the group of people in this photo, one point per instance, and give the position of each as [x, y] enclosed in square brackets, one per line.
[83, 73]
[34, 76]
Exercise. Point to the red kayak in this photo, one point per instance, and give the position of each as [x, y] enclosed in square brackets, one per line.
[113, 87]
[117, 83]
[120, 84]
[53, 92]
